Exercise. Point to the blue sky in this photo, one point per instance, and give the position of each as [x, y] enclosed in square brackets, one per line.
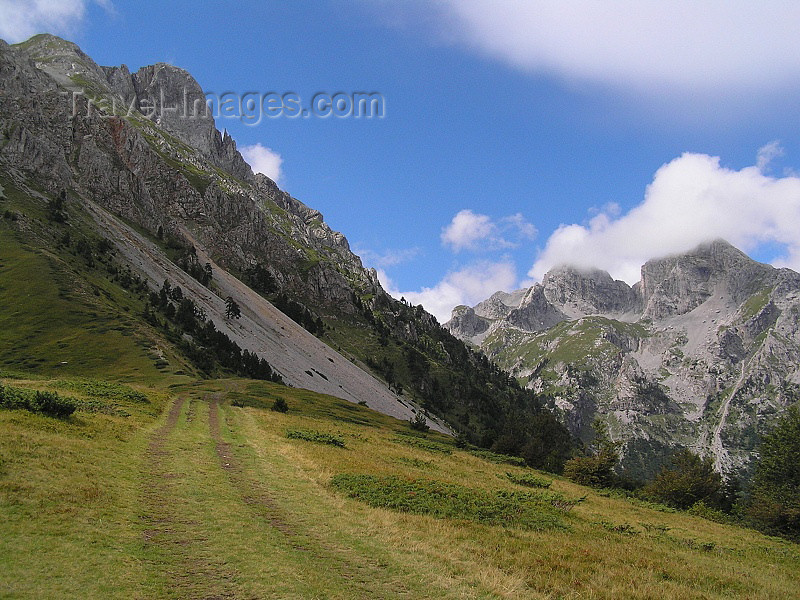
[517, 135]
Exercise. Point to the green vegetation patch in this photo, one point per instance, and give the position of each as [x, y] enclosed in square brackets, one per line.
[755, 304]
[46, 403]
[529, 480]
[498, 459]
[526, 510]
[315, 436]
[95, 388]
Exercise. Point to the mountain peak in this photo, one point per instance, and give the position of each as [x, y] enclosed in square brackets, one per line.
[579, 291]
[677, 284]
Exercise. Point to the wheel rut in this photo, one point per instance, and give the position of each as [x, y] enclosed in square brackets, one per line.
[358, 571]
[175, 547]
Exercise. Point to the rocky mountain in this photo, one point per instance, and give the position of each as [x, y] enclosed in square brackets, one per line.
[94, 157]
[702, 353]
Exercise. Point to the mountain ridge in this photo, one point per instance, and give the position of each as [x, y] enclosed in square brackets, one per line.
[69, 140]
[707, 343]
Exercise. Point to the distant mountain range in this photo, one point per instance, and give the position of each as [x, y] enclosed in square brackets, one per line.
[703, 352]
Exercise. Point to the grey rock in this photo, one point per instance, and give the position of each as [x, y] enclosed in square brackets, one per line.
[703, 352]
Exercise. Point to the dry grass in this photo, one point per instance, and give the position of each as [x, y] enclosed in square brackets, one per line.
[222, 504]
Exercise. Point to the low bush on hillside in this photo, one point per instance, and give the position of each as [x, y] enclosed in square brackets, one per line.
[527, 510]
[529, 480]
[280, 406]
[594, 471]
[499, 459]
[596, 468]
[774, 504]
[103, 389]
[685, 481]
[46, 403]
[419, 422]
[315, 436]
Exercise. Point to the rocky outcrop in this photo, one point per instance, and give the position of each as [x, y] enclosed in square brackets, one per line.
[465, 321]
[676, 285]
[145, 148]
[703, 352]
[535, 312]
[586, 292]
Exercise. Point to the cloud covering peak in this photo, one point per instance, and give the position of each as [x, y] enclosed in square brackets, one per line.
[691, 199]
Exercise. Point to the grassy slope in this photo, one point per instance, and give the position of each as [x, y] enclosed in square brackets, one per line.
[199, 492]
[218, 502]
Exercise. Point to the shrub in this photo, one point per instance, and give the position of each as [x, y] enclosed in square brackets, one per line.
[775, 499]
[527, 510]
[595, 471]
[280, 406]
[700, 509]
[685, 481]
[47, 403]
[315, 436]
[529, 480]
[419, 422]
[50, 403]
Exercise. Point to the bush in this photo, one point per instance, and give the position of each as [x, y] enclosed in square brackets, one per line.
[280, 406]
[775, 500]
[316, 436]
[419, 422]
[50, 403]
[594, 471]
[47, 403]
[685, 481]
[700, 509]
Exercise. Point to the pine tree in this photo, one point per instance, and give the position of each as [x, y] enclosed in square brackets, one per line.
[775, 498]
[232, 310]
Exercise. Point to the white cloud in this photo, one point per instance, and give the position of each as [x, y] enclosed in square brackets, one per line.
[647, 45]
[263, 160]
[691, 199]
[20, 19]
[767, 153]
[466, 230]
[469, 286]
[471, 231]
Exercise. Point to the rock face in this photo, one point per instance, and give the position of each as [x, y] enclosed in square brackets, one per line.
[142, 147]
[114, 136]
[588, 292]
[704, 352]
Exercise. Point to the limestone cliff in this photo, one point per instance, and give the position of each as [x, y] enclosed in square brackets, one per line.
[704, 352]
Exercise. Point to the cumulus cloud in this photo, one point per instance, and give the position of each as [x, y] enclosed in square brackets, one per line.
[656, 46]
[690, 200]
[263, 160]
[471, 231]
[20, 19]
[469, 285]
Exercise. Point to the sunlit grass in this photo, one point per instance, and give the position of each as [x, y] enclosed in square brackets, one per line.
[89, 510]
